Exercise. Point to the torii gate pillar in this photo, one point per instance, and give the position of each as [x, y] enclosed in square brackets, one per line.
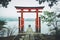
[21, 19]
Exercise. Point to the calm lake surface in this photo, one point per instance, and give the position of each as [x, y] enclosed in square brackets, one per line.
[14, 24]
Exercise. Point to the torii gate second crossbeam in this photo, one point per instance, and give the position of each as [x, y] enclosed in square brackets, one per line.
[21, 19]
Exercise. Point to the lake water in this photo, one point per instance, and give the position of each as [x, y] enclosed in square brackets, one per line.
[14, 24]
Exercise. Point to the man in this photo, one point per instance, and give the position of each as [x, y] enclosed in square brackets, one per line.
[29, 29]
[29, 33]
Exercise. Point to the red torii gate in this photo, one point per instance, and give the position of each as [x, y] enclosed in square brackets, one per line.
[21, 19]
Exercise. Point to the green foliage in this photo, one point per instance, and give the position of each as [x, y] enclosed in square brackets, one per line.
[49, 14]
[58, 32]
[2, 23]
[4, 3]
[48, 17]
[51, 19]
[58, 16]
[52, 2]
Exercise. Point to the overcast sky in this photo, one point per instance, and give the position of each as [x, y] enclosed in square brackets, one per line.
[11, 11]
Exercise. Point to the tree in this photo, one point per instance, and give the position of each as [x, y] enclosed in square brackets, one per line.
[51, 19]
[51, 2]
[2, 23]
[11, 31]
[2, 28]
[8, 30]
[4, 3]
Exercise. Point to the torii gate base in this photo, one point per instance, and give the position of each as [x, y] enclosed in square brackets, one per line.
[21, 19]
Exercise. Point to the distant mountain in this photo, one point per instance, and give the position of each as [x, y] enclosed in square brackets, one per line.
[8, 19]
[15, 19]
[11, 19]
[29, 19]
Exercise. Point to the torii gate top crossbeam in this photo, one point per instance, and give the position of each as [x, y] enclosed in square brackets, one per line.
[29, 9]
